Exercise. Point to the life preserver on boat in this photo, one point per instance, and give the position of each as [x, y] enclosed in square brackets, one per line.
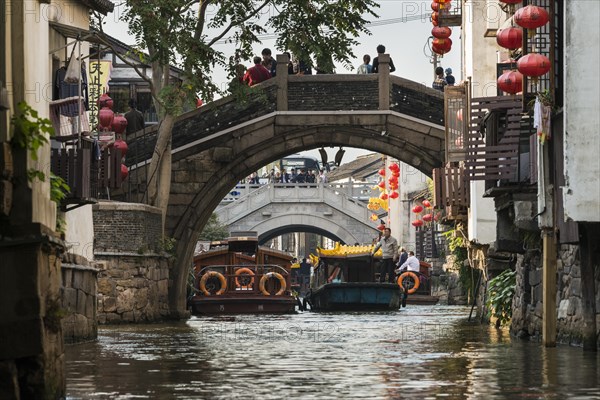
[213, 274]
[246, 271]
[266, 277]
[411, 275]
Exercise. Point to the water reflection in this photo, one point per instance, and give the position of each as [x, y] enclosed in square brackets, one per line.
[421, 352]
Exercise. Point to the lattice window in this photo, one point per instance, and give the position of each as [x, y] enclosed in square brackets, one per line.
[456, 99]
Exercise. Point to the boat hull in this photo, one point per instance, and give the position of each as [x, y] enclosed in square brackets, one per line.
[243, 304]
[368, 296]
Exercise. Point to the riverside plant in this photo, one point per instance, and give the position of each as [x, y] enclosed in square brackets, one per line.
[501, 291]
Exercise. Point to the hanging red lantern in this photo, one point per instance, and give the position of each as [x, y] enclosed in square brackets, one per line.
[417, 209]
[381, 184]
[437, 7]
[511, 82]
[441, 32]
[380, 227]
[511, 1]
[533, 64]
[383, 196]
[434, 18]
[394, 167]
[199, 103]
[427, 217]
[124, 172]
[426, 203]
[510, 38]
[381, 172]
[105, 101]
[394, 195]
[417, 223]
[121, 145]
[441, 46]
[393, 179]
[119, 123]
[105, 118]
[531, 17]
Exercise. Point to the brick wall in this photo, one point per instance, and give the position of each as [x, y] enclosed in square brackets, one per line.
[333, 96]
[126, 227]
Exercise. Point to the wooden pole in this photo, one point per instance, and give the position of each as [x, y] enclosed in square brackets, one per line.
[549, 288]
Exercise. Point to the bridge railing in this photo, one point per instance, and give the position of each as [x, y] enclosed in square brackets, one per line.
[357, 191]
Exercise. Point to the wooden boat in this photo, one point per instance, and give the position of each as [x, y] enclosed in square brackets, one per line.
[239, 276]
[345, 280]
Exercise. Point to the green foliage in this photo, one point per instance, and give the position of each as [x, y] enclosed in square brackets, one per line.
[177, 33]
[501, 291]
[58, 189]
[214, 230]
[458, 247]
[167, 244]
[31, 132]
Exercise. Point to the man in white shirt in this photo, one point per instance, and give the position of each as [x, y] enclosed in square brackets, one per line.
[411, 264]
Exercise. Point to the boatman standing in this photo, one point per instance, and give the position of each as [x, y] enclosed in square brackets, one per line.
[389, 250]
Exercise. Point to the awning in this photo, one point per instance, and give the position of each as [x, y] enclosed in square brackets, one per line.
[73, 32]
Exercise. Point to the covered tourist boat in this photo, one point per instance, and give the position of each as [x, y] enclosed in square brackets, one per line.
[239, 276]
[346, 280]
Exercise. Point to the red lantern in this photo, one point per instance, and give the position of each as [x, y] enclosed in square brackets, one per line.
[427, 217]
[383, 196]
[434, 18]
[441, 32]
[511, 82]
[105, 118]
[426, 203]
[199, 103]
[437, 7]
[394, 195]
[510, 38]
[381, 184]
[121, 145]
[393, 179]
[380, 227]
[531, 17]
[441, 46]
[394, 167]
[533, 65]
[417, 209]
[119, 124]
[511, 1]
[105, 101]
[417, 223]
[124, 172]
[381, 172]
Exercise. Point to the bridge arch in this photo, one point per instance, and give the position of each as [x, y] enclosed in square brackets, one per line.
[216, 146]
[310, 223]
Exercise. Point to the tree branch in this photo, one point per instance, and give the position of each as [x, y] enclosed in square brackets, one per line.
[238, 22]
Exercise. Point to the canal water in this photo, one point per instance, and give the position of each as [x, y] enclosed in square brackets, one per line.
[421, 352]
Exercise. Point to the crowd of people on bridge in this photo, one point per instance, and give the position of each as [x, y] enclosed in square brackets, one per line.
[294, 176]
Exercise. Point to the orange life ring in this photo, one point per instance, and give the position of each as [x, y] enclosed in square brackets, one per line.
[246, 271]
[266, 277]
[415, 279]
[213, 274]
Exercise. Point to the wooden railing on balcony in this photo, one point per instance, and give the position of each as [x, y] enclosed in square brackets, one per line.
[426, 245]
[494, 137]
[451, 16]
[88, 175]
[451, 190]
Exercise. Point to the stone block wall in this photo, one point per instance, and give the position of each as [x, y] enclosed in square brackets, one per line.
[309, 95]
[132, 288]
[445, 283]
[79, 301]
[569, 298]
[527, 301]
[133, 276]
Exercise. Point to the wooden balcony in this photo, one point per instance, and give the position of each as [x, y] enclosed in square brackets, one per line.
[451, 191]
[89, 172]
[451, 17]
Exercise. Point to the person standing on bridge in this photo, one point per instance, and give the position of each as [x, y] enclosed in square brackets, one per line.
[389, 249]
[256, 74]
[440, 82]
[380, 51]
[268, 62]
[365, 67]
[135, 119]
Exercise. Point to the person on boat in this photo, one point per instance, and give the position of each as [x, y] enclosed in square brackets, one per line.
[403, 256]
[389, 249]
[411, 264]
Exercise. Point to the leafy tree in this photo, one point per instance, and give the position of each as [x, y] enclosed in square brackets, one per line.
[184, 33]
[214, 230]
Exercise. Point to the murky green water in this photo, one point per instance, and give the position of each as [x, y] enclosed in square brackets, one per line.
[421, 352]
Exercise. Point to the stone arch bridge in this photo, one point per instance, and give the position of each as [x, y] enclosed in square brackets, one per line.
[217, 145]
[275, 209]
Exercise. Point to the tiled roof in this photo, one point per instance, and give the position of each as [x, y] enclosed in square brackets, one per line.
[359, 169]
